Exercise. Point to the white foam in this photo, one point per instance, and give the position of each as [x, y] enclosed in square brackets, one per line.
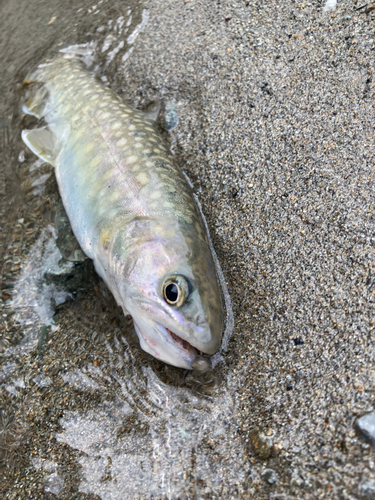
[42, 381]
[140, 27]
[37, 164]
[108, 42]
[151, 462]
[119, 24]
[127, 54]
[40, 183]
[85, 51]
[79, 380]
[330, 5]
[114, 52]
[32, 296]
[54, 483]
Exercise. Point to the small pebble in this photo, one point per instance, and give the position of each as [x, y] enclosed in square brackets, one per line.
[270, 476]
[365, 426]
[261, 445]
[367, 488]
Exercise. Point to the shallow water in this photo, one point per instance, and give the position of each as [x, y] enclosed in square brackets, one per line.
[272, 120]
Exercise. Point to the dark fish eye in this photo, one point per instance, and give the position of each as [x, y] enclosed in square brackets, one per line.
[175, 290]
[172, 293]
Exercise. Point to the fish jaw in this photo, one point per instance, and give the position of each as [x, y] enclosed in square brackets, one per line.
[134, 272]
[167, 334]
[164, 345]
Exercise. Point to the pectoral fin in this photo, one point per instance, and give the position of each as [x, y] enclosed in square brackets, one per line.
[42, 142]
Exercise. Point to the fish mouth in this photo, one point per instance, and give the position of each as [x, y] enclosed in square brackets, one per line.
[182, 344]
[167, 346]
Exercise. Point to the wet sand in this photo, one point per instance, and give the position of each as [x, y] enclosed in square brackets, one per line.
[276, 133]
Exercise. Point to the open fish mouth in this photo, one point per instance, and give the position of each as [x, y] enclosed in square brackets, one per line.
[185, 348]
[168, 346]
[183, 344]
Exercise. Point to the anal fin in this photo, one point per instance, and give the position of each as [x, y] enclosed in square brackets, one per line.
[42, 142]
[162, 113]
[154, 110]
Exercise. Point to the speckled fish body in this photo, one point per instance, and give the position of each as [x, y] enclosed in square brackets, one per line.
[132, 211]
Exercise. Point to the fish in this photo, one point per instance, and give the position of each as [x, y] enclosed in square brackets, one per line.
[131, 209]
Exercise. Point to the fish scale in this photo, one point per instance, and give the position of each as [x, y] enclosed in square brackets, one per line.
[131, 210]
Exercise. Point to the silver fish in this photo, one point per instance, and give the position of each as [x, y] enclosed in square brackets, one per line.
[131, 210]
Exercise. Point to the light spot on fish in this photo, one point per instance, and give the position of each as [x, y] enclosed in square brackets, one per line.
[136, 167]
[87, 109]
[122, 142]
[95, 162]
[101, 209]
[132, 127]
[131, 159]
[116, 126]
[155, 195]
[105, 238]
[143, 178]
[107, 175]
[149, 164]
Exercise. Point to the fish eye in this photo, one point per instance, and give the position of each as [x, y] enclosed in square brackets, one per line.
[175, 290]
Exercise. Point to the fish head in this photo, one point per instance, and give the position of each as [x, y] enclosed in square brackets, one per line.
[169, 286]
